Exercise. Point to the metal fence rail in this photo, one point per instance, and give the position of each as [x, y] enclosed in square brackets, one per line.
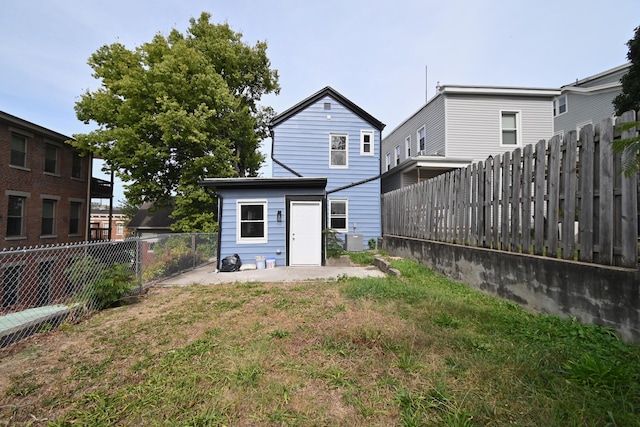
[42, 287]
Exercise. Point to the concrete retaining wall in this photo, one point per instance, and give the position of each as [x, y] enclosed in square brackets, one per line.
[607, 296]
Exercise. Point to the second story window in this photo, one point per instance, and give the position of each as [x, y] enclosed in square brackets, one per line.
[48, 217]
[51, 158]
[407, 146]
[75, 210]
[560, 105]
[387, 162]
[76, 166]
[509, 128]
[15, 216]
[422, 138]
[18, 151]
[397, 155]
[339, 151]
[366, 143]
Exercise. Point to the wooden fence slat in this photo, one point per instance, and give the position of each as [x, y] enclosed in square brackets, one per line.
[553, 195]
[495, 230]
[539, 222]
[629, 203]
[504, 205]
[527, 179]
[475, 194]
[516, 197]
[586, 169]
[605, 191]
[570, 187]
[486, 228]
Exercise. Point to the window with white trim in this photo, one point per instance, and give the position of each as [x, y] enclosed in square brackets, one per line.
[397, 155]
[560, 105]
[18, 150]
[339, 149]
[338, 219]
[15, 216]
[51, 158]
[509, 128]
[422, 138]
[48, 217]
[251, 221]
[407, 146]
[387, 161]
[366, 143]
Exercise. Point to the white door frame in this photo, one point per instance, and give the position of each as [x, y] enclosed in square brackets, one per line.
[317, 226]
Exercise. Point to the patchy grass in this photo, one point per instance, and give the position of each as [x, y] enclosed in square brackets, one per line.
[418, 350]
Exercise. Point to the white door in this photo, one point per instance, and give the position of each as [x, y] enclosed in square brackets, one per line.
[305, 233]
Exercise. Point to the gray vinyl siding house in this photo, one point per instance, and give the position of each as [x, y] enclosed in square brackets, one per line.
[587, 101]
[463, 125]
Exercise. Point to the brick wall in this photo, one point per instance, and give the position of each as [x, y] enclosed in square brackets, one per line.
[37, 183]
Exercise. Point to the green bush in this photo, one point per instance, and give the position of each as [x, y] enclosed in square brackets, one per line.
[333, 243]
[111, 285]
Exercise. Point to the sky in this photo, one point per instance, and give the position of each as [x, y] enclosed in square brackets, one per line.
[385, 56]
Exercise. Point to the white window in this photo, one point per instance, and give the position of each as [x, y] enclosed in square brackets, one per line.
[509, 128]
[338, 215]
[366, 143]
[560, 105]
[387, 161]
[251, 221]
[422, 138]
[120, 228]
[339, 151]
[407, 146]
[397, 155]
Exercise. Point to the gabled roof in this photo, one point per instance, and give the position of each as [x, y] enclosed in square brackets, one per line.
[24, 124]
[149, 218]
[327, 91]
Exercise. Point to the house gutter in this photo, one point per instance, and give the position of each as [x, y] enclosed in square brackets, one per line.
[219, 260]
[278, 162]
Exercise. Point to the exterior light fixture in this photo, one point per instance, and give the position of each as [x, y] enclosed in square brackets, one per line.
[279, 216]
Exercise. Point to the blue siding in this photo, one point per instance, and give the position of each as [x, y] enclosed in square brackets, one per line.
[302, 143]
[276, 231]
[363, 209]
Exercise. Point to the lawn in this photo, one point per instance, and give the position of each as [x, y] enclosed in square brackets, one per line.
[418, 350]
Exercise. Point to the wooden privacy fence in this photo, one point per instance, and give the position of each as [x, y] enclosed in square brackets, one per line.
[564, 199]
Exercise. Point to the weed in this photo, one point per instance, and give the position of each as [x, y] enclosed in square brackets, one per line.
[279, 333]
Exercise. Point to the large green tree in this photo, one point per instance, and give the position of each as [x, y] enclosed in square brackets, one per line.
[629, 99]
[176, 110]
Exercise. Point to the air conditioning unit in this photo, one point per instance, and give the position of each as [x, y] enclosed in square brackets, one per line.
[353, 242]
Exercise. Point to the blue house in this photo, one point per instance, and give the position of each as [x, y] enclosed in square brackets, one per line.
[326, 175]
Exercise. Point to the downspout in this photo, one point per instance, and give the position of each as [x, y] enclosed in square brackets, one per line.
[87, 215]
[111, 207]
[276, 161]
[219, 259]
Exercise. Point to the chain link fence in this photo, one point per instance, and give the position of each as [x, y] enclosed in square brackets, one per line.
[42, 287]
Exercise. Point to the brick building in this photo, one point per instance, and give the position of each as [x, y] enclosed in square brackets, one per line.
[45, 186]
